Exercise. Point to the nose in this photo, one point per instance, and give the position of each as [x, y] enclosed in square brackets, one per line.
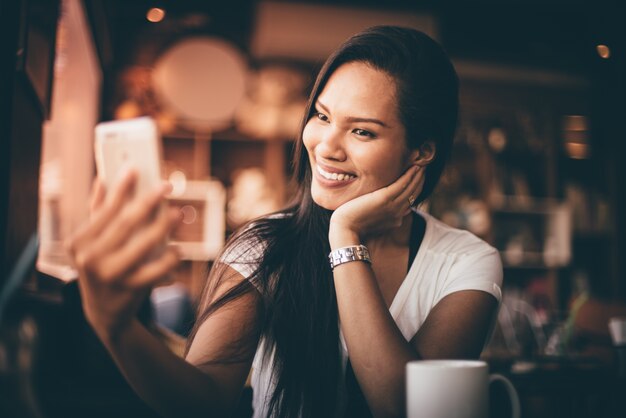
[331, 146]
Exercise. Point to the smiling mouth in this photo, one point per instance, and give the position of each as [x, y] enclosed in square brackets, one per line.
[334, 176]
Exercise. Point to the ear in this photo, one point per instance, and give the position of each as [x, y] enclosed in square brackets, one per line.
[424, 155]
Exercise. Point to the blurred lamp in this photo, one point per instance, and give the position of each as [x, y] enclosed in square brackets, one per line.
[576, 136]
[200, 80]
[604, 51]
[155, 14]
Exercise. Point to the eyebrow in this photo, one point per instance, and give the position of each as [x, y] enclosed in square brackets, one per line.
[354, 118]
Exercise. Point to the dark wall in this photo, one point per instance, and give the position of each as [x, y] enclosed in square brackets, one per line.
[28, 33]
[611, 107]
[9, 24]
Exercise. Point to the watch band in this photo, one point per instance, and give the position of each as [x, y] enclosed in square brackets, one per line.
[348, 254]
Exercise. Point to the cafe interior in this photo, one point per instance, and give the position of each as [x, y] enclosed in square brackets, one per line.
[536, 171]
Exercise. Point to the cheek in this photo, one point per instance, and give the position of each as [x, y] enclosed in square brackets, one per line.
[382, 171]
[308, 137]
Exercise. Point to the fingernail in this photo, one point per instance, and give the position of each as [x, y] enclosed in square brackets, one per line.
[176, 249]
[176, 214]
[166, 188]
[127, 171]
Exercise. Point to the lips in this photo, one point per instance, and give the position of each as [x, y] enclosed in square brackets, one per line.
[335, 175]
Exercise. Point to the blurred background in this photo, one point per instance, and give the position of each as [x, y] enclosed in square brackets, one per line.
[537, 168]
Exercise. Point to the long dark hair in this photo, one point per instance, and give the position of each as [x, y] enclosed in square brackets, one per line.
[299, 321]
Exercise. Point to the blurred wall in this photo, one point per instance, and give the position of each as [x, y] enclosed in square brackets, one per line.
[67, 155]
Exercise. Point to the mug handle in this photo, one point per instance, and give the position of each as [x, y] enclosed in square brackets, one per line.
[510, 389]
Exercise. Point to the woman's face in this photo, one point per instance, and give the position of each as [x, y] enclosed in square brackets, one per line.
[355, 140]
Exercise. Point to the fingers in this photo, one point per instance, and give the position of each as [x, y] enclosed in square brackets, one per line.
[97, 195]
[106, 210]
[131, 217]
[115, 199]
[413, 189]
[141, 246]
[122, 232]
[406, 190]
[398, 189]
[155, 271]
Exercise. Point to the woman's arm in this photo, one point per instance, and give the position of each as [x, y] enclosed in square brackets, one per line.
[455, 328]
[205, 384]
[115, 256]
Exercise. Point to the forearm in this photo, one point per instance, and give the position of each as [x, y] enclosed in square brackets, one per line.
[378, 351]
[166, 382]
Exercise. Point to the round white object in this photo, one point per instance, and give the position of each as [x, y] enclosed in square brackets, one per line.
[201, 80]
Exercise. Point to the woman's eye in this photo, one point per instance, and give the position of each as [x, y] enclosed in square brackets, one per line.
[321, 116]
[363, 132]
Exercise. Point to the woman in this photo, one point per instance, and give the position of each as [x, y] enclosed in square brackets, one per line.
[377, 132]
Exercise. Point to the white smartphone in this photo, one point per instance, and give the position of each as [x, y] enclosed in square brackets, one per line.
[131, 142]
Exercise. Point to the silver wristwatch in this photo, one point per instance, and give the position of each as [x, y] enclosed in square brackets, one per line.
[348, 254]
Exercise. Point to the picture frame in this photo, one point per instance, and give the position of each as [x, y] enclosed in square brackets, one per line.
[201, 234]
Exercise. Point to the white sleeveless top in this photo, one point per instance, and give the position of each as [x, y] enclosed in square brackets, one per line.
[447, 261]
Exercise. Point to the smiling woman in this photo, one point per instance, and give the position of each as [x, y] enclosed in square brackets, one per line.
[376, 134]
[355, 141]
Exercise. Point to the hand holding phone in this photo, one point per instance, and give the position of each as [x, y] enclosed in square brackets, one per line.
[120, 252]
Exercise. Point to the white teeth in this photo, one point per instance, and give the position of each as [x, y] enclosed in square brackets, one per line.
[334, 176]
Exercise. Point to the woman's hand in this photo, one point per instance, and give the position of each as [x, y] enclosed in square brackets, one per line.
[375, 212]
[119, 253]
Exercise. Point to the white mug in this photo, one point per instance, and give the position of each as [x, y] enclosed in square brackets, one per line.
[452, 389]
